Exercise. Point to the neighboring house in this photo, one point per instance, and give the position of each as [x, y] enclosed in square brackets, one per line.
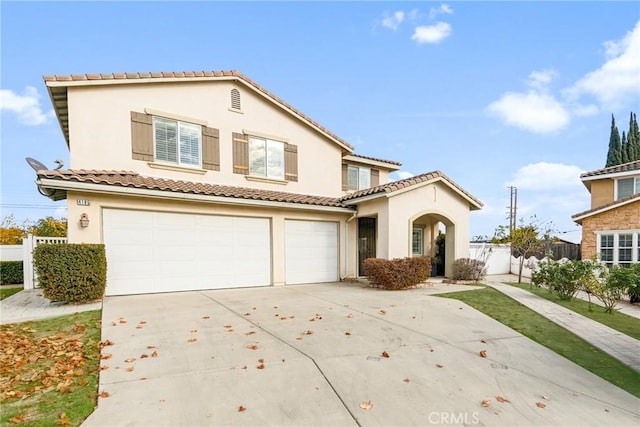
[202, 180]
[611, 228]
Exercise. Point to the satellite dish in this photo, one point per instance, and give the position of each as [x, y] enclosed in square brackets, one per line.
[36, 165]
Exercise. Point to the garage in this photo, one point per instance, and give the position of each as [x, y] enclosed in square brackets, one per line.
[311, 251]
[150, 252]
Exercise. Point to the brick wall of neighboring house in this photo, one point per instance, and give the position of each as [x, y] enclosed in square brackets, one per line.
[626, 217]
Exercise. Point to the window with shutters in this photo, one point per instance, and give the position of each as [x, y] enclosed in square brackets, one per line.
[266, 158]
[177, 142]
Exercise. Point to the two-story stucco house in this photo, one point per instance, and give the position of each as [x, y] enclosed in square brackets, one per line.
[611, 228]
[201, 180]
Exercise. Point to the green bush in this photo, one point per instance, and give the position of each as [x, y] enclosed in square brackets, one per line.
[399, 273]
[11, 272]
[71, 272]
[628, 279]
[469, 269]
[564, 278]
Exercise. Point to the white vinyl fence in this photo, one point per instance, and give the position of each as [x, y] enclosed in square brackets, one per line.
[497, 257]
[28, 245]
[10, 252]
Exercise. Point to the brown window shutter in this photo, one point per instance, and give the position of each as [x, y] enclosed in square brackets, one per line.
[141, 136]
[210, 149]
[240, 153]
[291, 162]
[375, 177]
[345, 177]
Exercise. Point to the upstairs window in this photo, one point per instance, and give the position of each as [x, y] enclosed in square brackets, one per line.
[177, 142]
[266, 158]
[358, 178]
[628, 186]
[619, 248]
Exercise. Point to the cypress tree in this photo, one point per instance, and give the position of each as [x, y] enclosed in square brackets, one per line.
[624, 149]
[614, 156]
[634, 138]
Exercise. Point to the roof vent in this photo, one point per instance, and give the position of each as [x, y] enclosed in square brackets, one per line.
[235, 99]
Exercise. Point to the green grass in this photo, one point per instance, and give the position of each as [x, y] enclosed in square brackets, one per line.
[46, 390]
[621, 322]
[7, 292]
[534, 326]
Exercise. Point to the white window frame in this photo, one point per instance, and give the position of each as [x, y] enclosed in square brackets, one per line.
[361, 183]
[635, 245]
[269, 172]
[179, 159]
[420, 235]
[636, 185]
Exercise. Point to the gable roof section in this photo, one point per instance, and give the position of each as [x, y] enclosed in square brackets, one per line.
[611, 172]
[409, 183]
[56, 180]
[613, 205]
[391, 165]
[57, 86]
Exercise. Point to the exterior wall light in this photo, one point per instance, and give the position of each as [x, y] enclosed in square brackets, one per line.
[84, 220]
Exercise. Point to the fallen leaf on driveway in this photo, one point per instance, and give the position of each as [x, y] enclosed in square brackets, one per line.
[241, 408]
[347, 333]
[122, 320]
[193, 331]
[250, 333]
[366, 405]
[502, 399]
[247, 314]
[192, 340]
[406, 380]
[105, 356]
[349, 316]
[154, 354]
[312, 319]
[228, 326]
[545, 397]
[151, 346]
[144, 356]
[483, 353]
[130, 359]
[385, 354]
[383, 312]
[260, 366]
[104, 394]
[103, 368]
[130, 369]
[106, 343]
[205, 317]
[139, 326]
[485, 403]
[252, 347]
[540, 405]
[298, 338]
[483, 341]
[308, 332]
[439, 365]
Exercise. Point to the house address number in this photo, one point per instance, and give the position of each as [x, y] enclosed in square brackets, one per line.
[84, 202]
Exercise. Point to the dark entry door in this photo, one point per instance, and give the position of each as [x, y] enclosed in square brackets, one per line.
[366, 241]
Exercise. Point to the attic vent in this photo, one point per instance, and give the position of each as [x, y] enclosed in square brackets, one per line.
[235, 99]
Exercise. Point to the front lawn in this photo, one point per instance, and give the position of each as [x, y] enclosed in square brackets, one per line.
[621, 322]
[49, 370]
[538, 328]
[7, 292]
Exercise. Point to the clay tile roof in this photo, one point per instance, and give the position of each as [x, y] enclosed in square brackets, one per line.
[632, 198]
[135, 180]
[405, 183]
[194, 74]
[392, 162]
[625, 167]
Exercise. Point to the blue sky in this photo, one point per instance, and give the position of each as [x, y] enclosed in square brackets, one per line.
[491, 93]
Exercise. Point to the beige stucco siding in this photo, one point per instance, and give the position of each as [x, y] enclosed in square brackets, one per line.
[100, 132]
[277, 216]
[626, 217]
[602, 192]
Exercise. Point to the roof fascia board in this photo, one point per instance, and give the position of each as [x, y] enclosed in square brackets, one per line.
[132, 191]
[377, 163]
[611, 175]
[472, 202]
[605, 209]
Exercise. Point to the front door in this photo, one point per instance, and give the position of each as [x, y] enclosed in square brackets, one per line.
[366, 242]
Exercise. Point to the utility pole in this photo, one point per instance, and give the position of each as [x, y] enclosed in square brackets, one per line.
[513, 209]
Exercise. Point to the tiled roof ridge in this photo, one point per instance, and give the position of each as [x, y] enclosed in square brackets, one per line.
[390, 187]
[133, 179]
[191, 74]
[624, 167]
[608, 205]
[377, 159]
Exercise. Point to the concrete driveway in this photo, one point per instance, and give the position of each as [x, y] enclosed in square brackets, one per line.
[312, 354]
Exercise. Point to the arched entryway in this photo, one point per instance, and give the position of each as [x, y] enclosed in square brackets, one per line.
[424, 229]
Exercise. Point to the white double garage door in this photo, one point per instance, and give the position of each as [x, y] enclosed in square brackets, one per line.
[149, 252]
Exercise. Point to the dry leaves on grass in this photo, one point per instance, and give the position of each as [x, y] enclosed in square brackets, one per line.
[30, 363]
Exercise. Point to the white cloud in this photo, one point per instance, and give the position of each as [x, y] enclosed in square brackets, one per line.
[545, 176]
[618, 78]
[402, 175]
[443, 9]
[540, 80]
[532, 111]
[431, 33]
[26, 106]
[393, 21]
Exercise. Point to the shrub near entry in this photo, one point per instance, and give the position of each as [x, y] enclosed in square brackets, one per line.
[11, 272]
[71, 272]
[399, 273]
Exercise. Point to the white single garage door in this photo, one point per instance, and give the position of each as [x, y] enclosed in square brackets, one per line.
[150, 252]
[311, 251]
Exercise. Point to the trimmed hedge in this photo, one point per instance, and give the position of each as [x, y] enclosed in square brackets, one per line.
[71, 272]
[399, 273]
[11, 272]
[469, 269]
